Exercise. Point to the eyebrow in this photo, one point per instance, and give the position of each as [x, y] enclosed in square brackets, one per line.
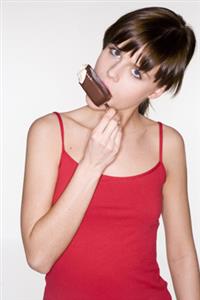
[147, 75]
[117, 47]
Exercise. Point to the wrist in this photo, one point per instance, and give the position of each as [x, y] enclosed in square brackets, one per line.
[89, 169]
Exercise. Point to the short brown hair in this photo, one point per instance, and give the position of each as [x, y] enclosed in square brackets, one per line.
[168, 42]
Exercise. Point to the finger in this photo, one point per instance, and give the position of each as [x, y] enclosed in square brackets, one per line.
[105, 120]
[114, 132]
[118, 137]
[111, 138]
[113, 124]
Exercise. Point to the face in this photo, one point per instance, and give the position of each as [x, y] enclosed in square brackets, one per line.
[128, 85]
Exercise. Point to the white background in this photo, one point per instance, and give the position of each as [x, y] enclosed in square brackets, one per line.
[43, 45]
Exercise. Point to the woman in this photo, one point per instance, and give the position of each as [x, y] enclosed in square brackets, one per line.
[96, 181]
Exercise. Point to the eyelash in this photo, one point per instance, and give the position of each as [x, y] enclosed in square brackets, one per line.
[113, 48]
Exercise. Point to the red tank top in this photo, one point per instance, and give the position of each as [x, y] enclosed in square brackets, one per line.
[112, 255]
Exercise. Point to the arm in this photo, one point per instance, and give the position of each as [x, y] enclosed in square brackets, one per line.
[47, 230]
[181, 252]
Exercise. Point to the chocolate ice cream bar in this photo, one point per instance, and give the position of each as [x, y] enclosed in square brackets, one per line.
[93, 85]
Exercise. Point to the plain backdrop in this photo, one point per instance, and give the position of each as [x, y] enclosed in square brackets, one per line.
[43, 45]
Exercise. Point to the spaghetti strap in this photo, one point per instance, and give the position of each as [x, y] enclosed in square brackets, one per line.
[61, 128]
[160, 140]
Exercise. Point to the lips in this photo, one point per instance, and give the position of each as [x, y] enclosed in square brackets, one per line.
[102, 80]
[105, 83]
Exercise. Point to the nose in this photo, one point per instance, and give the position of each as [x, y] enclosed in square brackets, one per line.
[115, 71]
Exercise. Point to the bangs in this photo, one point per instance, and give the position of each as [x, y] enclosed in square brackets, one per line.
[146, 60]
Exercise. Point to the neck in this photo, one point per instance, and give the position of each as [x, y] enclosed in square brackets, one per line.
[130, 119]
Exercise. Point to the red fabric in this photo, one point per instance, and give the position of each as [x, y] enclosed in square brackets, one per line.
[112, 256]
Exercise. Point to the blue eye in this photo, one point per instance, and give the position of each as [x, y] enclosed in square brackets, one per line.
[137, 73]
[112, 49]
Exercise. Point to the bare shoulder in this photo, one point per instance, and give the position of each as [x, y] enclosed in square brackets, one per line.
[173, 143]
[44, 133]
[45, 122]
[173, 148]
[172, 135]
[48, 125]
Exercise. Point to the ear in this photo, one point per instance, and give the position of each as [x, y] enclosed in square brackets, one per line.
[157, 92]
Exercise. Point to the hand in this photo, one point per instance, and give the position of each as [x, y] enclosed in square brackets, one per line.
[104, 142]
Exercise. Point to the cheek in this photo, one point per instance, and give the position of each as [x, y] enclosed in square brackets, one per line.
[127, 94]
[130, 89]
[97, 64]
[100, 62]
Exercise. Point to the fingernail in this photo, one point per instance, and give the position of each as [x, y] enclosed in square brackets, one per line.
[111, 111]
[107, 106]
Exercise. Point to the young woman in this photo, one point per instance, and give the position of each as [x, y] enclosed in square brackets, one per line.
[96, 181]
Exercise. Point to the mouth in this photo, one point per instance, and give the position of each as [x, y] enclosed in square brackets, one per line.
[104, 83]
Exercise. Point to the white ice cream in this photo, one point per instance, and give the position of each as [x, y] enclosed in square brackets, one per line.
[82, 73]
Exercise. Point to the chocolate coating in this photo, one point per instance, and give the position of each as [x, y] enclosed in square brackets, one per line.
[94, 87]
